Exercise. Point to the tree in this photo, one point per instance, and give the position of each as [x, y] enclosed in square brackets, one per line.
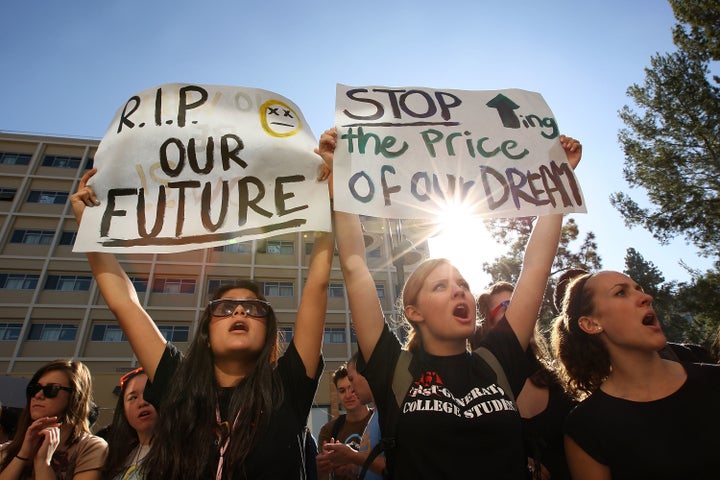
[700, 299]
[672, 143]
[515, 233]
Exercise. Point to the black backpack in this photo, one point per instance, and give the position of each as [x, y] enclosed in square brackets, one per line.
[402, 381]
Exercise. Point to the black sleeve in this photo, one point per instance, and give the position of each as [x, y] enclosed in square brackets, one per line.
[503, 343]
[169, 363]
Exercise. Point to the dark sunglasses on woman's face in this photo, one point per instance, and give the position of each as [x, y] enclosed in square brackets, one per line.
[254, 307]
[50, 390]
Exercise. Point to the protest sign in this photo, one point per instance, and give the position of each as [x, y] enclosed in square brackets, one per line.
[416, 152]
[183, 167]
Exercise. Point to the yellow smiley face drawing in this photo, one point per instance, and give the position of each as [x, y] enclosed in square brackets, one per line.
[279, 119]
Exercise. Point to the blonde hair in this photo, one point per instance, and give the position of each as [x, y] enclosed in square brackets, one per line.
[410, 293]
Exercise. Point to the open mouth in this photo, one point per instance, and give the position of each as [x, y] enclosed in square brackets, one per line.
[650, 319]
[239, 326]
[461, 310]
[144, 414]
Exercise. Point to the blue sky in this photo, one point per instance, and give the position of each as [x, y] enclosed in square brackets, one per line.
[68, 66]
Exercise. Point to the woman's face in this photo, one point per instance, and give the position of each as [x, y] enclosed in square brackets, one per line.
[42, 406]
[237, 332]
[140, 414]
[445, 308]
[623, 313]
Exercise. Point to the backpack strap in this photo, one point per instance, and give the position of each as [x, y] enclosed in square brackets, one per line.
[494, 363]
[402, 380]
[339, 422]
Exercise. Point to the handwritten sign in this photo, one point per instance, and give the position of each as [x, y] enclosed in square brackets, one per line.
[415, 152]
[183, 167]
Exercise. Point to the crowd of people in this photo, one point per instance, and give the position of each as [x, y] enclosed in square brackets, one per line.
[459, 399]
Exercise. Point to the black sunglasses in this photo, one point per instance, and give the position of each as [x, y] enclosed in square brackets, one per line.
[254, 307]
[49, 391]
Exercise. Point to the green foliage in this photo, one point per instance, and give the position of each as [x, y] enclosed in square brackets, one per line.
[701, 298]
[672, 142]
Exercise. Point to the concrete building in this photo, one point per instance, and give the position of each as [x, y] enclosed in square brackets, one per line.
[51, 308]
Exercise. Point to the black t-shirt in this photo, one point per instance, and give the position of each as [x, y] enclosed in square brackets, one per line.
[278, 455]
[455, 422]
[675, 437]
[543, 433]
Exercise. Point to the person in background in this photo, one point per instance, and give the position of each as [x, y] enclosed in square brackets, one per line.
[641, 416]
[233, 407]
[455, 420]
[53, 438]
[133, 428]
[8, 422]
[543, 403]
[343, 454]
[346, 429]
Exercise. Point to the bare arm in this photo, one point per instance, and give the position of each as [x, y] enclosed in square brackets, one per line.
[583, 465]
[522, 313]
[365, 306]
[119, 293]
[310, 323]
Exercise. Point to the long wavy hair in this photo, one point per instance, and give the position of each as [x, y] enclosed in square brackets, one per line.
[584, 359]
[123, 438]
[75, 415]
[186, 431]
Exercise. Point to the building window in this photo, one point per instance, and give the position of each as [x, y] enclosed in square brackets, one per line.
[140, 283]
[336, 290]
[107, 333]
[89, 164]
[174, 285]
[61, 161]
[175, 333]
[47, 197]
[32, 237]
[7, 158]
[9, 331]
[68, 283]
[334, 335]
[61, 332]
[240, 247]
[18, 281]
[68, 238]
[7, 194]
[286, 334]
[280, 247]
[278, 289]
[214, 284]
[380, 289]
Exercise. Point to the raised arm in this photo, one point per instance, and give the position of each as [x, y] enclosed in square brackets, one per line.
[365, 307]
[119, 293]
[310, 322]
[522, 313]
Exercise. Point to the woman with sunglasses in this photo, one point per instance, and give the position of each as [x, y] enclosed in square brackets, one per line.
[131, 430]
[455, 420]
[53, 438]
[232, 407]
